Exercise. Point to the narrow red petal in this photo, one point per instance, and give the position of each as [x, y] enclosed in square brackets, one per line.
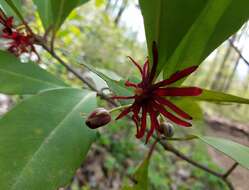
[155, 61]
[171, 117]
[173, 107]
[135, 117]
[143, 123]
[177, 76]
[145, 70]
[124, 113]
[153, 126]
[179, 91]
[130, 84]
[137, 65]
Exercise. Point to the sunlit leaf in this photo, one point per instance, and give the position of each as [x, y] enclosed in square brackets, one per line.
[53, 13]
[43, 140]
[189, 106]
[219, 97]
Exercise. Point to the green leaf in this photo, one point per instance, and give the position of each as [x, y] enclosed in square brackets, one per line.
[24, 78]
[219, 97]
[99, 3]
[188, 31]
[236, 151]
[8, 10]
[168, 24]
[140, 177]
[53, 13]
[44, 140]
[189, 106]
[117, 87]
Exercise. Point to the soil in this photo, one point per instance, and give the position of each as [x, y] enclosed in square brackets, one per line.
[239, 177]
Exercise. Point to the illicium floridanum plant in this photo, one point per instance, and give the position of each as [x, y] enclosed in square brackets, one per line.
[43, 139]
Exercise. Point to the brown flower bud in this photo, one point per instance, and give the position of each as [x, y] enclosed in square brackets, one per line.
[167, 129]
[99, 117]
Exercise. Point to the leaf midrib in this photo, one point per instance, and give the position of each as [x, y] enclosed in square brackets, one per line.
[46, 139]
[29, 78]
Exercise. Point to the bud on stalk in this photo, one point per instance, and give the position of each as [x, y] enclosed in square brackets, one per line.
[167, 129]
[98, 118]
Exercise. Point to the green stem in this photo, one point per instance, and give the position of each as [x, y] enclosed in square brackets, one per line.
[186, 138]
[119, 108]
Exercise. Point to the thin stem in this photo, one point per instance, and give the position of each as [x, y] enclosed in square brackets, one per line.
[152, 148]
[171, 149]
[119, 108]
[187, 138]
[230, 170]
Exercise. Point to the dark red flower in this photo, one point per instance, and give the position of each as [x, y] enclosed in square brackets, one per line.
[150, 98]
[20, 40]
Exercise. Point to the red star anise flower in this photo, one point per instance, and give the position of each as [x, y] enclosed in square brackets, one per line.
[150, 98]
[21, 39]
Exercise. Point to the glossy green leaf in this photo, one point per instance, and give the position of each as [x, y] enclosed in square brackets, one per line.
[54, 12]
[169, 23]
[219, 97]
[24, 78]
[236, 151]
[43, 140]
[188, 31]
[140, 177]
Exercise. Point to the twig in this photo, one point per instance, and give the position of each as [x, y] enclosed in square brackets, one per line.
[238, 51]
[152, 148]
[223, 177]
[230, 170]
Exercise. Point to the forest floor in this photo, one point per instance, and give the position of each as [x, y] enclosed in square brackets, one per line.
[239, 177]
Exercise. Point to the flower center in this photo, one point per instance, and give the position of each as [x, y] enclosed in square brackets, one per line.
[138, 91]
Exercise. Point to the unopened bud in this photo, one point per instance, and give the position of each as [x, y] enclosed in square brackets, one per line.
[167, 129]
[99, 117]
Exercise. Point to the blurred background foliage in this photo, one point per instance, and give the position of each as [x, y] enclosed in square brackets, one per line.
[96, 34]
